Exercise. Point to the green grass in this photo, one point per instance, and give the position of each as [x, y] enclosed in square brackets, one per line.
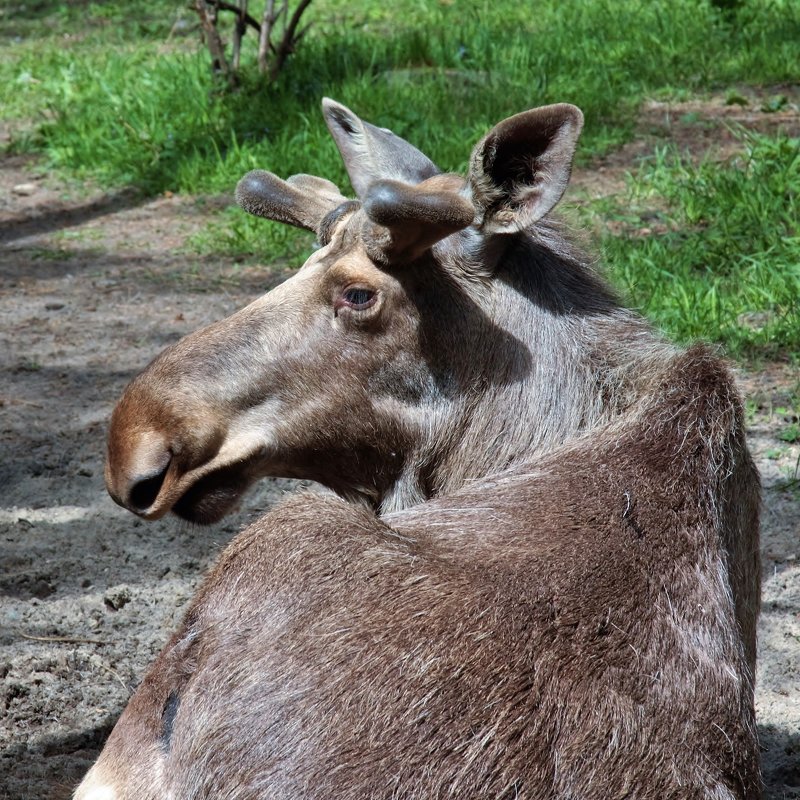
[115, 93]
[726, 267]
[122, 102]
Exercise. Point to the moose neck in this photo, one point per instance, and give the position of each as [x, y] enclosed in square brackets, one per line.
[553, 357]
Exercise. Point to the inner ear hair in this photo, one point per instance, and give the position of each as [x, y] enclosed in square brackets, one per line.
[521, 168]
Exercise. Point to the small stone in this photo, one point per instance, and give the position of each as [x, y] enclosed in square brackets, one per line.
[24, 189]
[42, 588]
[53, 306]
[117, 597]
[182, 27]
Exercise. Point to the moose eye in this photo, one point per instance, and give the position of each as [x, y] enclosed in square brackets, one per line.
[358, 298]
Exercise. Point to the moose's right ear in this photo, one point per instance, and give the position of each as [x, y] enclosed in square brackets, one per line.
[302, 200]
[521, 168]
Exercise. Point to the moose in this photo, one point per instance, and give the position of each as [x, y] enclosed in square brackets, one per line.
[532, 569]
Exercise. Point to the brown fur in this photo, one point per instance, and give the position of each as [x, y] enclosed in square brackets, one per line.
[557, 595]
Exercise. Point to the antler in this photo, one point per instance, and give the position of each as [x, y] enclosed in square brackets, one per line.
[302, 200]
[414, 217]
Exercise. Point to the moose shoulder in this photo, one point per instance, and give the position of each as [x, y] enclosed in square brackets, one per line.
[540, 576]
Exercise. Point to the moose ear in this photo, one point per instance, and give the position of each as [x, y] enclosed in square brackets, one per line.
[372, 153]
[302, 200]
[520, 169]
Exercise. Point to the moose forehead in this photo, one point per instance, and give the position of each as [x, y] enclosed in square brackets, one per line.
[342, 260]
[342, 257]
[352, 248]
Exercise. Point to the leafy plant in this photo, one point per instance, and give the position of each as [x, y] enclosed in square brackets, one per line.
[790, 434]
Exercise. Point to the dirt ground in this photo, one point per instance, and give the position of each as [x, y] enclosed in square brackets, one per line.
[91, 288]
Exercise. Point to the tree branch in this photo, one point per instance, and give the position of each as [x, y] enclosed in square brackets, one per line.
[267, 21]
[289, 39]
[212, 37]
[251, 21]
[238, 33]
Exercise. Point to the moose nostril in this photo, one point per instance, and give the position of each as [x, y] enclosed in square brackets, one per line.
[144, 492]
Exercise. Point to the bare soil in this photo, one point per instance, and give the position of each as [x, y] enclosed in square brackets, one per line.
[92, 287]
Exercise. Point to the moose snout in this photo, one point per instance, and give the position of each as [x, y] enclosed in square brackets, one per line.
[136, 470]
[142, 490]
[158, 450]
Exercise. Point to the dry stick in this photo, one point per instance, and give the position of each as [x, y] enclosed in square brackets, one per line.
[116, 675]
[289, 39]
[238, 32]
[68, 639]
[267, 21]
[18, 401]
[213, 40]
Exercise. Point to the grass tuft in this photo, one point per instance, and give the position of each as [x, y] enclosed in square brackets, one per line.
[121, 94]
[726, 266]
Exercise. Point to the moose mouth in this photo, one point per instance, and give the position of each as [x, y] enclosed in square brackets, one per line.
[201, 496]
[213, 496]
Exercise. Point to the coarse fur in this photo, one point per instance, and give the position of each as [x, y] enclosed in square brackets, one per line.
[540, 578]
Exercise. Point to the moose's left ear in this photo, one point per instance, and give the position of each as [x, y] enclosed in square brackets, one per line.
[372, 154]
[520, 169]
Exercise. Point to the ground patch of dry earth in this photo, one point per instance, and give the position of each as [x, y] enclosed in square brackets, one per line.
[93, 287]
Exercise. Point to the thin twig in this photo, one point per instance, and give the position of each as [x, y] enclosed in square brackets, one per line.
[67, 639]
[251, 21]
[18, 401]
[302, 32]
[116, 675]
[264, 44]
[289, 39]
[238, 32]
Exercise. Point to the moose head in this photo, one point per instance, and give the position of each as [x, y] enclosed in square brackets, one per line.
[382, 361]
